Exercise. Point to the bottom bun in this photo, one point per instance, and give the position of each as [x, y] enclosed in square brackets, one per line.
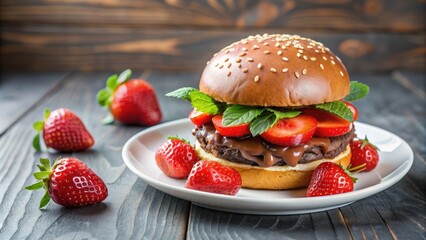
[277, 177]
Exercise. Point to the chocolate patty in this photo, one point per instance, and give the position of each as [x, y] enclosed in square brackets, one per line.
[257, 152]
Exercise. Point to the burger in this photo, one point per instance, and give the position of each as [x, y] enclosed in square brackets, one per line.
[272, 107]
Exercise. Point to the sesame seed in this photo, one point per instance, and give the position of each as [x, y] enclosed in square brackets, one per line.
[304, 71]
[217, 64]
[227, 51]
[226, 59]
[238, 60]
[324, 57]
[305, 57]
[331, 57]
[207, 62]
[260, 41]
[285, 59]
[298, 54]
[259, 66]
[283, 47]
[280, 52]
[273, 70]
[285, 70]
[256, 79]
[243, 54]
[317, 51]
[266, 52]
[245, 70]
[239, 65]
[221, 66]
[250, 60]
[255, 47]
[333, 62]
[244, 41]
[309, 46]
[341, 73]
[214, 55]
[266, 44]
[313, 58]
[229, 65]
[277, 44]
[229, 74]
[244, 49]
[297, 74]
[300, 50]
[322, 66]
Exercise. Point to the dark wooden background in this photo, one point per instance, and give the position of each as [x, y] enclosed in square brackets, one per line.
[181, 35]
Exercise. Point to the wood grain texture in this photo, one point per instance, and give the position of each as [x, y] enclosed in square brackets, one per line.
[88, 49]
[339, 15]
[17, 95]
[132, 209]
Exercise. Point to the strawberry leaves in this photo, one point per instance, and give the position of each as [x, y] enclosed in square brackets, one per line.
[104, 96]
[42, 177]
[38, 126]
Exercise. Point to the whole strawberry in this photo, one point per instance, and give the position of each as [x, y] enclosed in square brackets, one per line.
[130, 101]
[210, 176]
[329, 178]
[176, 157]
[364, 152]
[62, 130]
[70, 183]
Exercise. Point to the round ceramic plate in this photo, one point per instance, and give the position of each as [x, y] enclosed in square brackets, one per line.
[396, 158]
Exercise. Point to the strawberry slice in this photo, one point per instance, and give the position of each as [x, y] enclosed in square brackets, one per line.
[230, 131]
[291, 131]
[199, 118]
[329, 125]
[352, 108]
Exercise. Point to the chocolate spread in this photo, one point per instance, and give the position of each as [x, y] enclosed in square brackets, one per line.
[255, 151]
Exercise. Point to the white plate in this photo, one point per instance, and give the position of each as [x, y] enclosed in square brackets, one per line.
[396, 158]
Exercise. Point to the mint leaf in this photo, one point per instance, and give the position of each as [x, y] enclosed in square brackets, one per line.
[238, 114]
[182, 93]
[287, 114]
[262, 123]
[337, 108]
[203, 102]
[124, 76]
[358, 91]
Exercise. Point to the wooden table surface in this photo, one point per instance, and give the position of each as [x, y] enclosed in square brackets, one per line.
[134, 210]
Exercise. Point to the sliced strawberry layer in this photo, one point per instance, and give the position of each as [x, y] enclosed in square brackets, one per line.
[329, 125]
[291, 131]
[230, 131]
[199, 118]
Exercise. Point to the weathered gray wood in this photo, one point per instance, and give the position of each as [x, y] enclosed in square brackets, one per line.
[132, 209]
[20, 91]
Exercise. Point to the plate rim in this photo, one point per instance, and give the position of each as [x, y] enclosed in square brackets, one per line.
[192, 194]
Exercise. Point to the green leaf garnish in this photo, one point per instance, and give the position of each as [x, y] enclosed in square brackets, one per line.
[262, 123]
[358, 91]
[36, 142]
[337, 108]
[182, 93]
[203, 102]
[238, 114]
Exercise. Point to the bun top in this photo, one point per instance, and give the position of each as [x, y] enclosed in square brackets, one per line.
[275, 70]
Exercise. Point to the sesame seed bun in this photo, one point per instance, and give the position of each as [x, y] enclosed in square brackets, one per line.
[277, 177]
[275, 70]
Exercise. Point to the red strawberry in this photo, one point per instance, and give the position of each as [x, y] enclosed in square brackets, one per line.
[363, 152]
[209, 176]
[63, 131]
[176, 158]
[130, 101]
[70, 183]
[329, 178]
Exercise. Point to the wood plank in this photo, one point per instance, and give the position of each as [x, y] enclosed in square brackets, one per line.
[132, 209]
[87, 49]
[357, 15]
[18, 93]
